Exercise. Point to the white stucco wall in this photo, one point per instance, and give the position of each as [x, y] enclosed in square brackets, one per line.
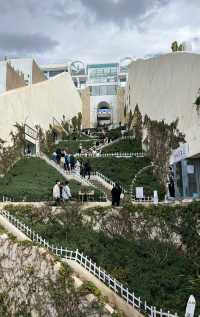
[39, 103]
[166, 87]
[2, 77]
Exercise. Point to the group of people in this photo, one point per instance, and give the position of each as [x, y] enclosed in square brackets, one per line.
[67, 161]
[61, 192]
[70, 163]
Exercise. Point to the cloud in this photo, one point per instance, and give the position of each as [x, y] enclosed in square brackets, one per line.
[25, 43]
[96, 30]
[122, 11]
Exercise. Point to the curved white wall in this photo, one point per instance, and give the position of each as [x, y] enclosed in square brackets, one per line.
[166, 87]
[39, 103]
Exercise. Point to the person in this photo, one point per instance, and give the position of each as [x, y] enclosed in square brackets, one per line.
[66, 164]
[56, 192]
[116, 193]
[72, 161]
[66, 193]
[80, 149]
[87, 169]
[81, 168]
[77, 167]
[54, 155]
[58, 156]
[61, 190]
[62, 158]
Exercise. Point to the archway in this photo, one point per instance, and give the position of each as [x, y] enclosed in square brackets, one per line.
[104, 114]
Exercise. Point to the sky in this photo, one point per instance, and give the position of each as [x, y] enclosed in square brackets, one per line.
[57, 31]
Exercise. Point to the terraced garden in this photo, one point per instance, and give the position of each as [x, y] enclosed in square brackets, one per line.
[31, 179]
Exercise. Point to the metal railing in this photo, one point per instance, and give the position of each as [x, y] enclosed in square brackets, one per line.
[91, 267]
[115, 154]
[107, 180]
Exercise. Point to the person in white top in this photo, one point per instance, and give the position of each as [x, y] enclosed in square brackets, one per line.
[56, 192]
[77, 167]
[66, 193]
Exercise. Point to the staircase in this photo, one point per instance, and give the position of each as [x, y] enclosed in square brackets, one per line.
[96, 183]
[93, 182]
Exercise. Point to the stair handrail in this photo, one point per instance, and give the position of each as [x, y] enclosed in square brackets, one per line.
[90, 266]
[108, 180]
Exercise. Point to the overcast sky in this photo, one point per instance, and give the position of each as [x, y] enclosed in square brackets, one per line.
[95, 30]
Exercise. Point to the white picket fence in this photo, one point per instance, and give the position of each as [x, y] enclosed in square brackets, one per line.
[91, 267]
[115, 154]
[7, 199]
[145, 199]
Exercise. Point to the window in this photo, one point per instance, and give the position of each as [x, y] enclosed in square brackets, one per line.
[104, 90]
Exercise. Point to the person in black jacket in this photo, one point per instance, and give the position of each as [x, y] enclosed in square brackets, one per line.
[116, 193]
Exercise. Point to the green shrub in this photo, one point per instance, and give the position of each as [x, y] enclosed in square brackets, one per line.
[126, 145]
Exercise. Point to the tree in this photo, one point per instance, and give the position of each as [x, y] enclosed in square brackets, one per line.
[130, 119]
[177, 47]
[125, 112]
[75, 123]
[161, 139]
[137, 124]
[79, 121]
[181, 48]
[174, 46]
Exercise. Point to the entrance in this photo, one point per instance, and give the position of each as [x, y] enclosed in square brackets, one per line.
[104, 117]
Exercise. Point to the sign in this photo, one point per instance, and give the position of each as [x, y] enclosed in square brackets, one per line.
[190, 308]
[155, 197]
[180, 154]
[190, 169]
[139, 192]
[30, 132]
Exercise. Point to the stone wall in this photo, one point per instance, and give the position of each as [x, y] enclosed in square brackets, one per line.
[33, 283]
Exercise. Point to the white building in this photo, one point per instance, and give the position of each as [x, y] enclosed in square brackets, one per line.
[166, 87]
[39, 104]
[102, 82]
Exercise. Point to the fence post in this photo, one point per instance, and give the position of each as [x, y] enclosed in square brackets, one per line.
[127, 295]
[76, 255]
[139, 302]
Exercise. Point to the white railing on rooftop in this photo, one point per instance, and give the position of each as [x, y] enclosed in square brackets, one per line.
[91, 267]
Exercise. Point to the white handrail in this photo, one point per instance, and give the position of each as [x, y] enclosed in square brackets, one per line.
[91, 267]
[115, 154]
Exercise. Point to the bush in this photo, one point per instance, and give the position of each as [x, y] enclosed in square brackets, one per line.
[126, 145]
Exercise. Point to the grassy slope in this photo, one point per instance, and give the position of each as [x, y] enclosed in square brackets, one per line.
[127, 145]
[124, 170]
[32, 179]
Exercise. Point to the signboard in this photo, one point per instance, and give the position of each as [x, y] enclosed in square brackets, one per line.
[155, 197]
[180, 154]
[190, 169]
[139, 192]
[31, 133]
